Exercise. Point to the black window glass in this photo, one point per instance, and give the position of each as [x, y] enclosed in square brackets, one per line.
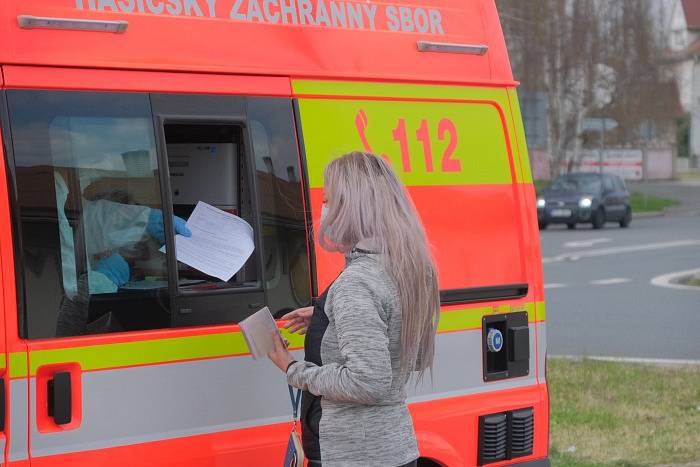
[280, 193]
[207, 164]
[89, 207]
[92, 221]
[620, 184]
[570, 183]
[608, 184]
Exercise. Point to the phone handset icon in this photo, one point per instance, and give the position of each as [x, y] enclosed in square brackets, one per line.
[361, 125]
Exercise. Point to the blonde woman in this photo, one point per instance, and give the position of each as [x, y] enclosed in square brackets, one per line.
[372, 328]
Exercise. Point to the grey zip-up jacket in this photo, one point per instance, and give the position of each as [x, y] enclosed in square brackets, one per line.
[365, 420]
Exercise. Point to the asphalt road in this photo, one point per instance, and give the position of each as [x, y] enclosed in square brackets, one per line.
[600, 300]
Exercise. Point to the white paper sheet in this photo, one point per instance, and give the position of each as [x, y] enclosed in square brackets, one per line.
[220, 244]
[259, 330]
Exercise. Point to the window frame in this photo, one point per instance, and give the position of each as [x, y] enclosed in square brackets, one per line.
[306, 193]
[11, 170]
[173, 109]
[18, 243]
[608, 184]
[160, 121]
[238, 116]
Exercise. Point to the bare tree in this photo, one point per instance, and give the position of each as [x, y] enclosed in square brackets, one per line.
[642, 92]
[590, 58]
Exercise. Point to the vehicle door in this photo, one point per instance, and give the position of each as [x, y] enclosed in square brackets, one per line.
[14, 443]
[145, 367]
[624, 195]
[611, 199]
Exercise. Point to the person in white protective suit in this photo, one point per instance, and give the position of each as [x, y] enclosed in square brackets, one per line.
[108, 226]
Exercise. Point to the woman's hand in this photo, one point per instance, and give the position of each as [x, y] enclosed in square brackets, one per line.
[298, 320]
[280, 356]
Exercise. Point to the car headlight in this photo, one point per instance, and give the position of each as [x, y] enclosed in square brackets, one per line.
[585, 203]
[541, 202]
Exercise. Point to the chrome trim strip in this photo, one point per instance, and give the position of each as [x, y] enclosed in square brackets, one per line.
[39, 22]
[468, 49]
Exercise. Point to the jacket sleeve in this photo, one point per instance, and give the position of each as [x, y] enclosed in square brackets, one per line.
[365, 375]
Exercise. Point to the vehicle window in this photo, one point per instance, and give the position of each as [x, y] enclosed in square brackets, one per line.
[620, 184]
[92, 222]
[280, 193]
[577, 184]
[589, 185]
[89, 207]
[608, 184]
[563, 184]
[207, 164]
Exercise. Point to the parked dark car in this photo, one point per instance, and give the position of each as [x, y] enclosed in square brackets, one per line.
[584, 198]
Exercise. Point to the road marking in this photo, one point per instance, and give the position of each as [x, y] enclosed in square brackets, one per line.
[666, 280]
[646, 361]
[617, 250]
[611, 281]
[554, 286]
[586, 243]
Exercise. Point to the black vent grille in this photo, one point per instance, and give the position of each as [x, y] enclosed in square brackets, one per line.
[493, 438]
[506, 435]
[522, 432]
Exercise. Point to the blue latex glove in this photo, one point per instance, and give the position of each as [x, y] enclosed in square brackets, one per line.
[156, 226]
[115, 268]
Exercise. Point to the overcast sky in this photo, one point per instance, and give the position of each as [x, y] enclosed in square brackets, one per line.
[664, 9]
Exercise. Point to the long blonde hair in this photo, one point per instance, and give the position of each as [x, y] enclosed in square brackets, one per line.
[366, 201]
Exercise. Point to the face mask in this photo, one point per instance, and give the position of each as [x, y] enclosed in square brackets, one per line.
[324, 212]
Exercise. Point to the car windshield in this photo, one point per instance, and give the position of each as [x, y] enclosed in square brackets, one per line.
[576, 184]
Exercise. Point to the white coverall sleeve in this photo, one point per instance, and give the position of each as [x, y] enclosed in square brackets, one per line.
[109, 226]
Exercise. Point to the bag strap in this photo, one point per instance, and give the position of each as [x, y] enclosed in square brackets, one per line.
[296, 398]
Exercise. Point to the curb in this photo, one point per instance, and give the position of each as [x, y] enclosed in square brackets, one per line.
[663, 362]
[646, 214]
[672, 279]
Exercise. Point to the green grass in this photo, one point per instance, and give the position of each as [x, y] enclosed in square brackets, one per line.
[644, 203]
[563, 459]
[623, 415]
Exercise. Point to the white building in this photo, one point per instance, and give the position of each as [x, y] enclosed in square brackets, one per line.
[684, 50]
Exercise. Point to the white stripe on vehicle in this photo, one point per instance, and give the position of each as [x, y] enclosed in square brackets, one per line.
[18, 418]
[144, 404]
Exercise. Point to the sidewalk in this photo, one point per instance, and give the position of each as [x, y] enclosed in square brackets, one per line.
[687, 193]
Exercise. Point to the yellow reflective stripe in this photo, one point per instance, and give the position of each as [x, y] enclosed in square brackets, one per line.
[296, 341]
[470, 318]
[520, 136]
[329, 128]
[18, 364]
[124, 354]
[395, 90]
[150, 352]
[2, 361]
[541, 311]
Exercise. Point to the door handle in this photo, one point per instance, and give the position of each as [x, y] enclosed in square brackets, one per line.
[59, 398]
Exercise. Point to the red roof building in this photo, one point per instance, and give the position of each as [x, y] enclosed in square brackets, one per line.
[691, 9]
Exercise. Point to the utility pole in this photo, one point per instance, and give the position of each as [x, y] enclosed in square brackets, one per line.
[602, 145]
